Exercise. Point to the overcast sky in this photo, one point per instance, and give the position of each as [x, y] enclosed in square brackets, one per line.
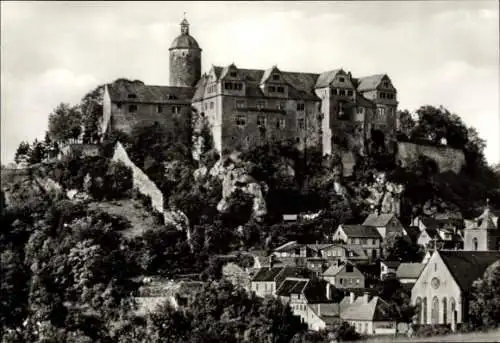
[437, 53]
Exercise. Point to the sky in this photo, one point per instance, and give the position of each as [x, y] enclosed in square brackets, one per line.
[435, 52]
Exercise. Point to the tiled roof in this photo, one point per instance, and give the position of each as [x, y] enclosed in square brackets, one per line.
[409, 270]
[378, 220]
[138, 92]
[433, 233]
[291, 286]
[375, 310]
[360, 231]
[391, 264]
[326, 78]
[318, 247]
[362, 101]
[267, 274]
[328, 311]
[468, 266]
[287, 246]
[315, 291]
[333, 270]
[184, 42]
[369, 82]
[413, 232]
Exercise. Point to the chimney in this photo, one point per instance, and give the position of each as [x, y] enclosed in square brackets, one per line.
[328, 291]
[271, 260]
[352, 298]
[319, 309]
[366, 298]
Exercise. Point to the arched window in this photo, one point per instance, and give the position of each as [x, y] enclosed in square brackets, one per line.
[424, 311]
[418, 304]
[445, 311]
[453, 310]
[435, 311]
[474, 243]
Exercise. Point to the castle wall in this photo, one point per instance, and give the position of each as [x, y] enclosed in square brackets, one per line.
[185, 67]
[147, 114]
[447, 159]
[141, 181]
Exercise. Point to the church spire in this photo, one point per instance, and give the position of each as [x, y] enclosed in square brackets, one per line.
[184, 25]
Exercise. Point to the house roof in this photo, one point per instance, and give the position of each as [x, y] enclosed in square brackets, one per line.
[328, 312]
[378, 220]
[315, 291]
[433, 233]
[409, 270]
[468, 266]
[375, 310]
[267, 274]
[138, 92]
[360, 231]
[291, 286]
[413, 232]
[369, 82]
[391, 264]
[333, 270]
[287, 246]
[364, 102]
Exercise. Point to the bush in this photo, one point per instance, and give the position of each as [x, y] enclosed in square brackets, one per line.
[119, 180]
[427, 330]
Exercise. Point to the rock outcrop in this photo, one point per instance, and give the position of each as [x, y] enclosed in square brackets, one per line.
[234, 175]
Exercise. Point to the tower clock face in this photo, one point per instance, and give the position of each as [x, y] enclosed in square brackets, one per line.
[435, 283]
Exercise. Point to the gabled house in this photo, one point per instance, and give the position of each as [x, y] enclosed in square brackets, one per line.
[408, 273]
[344, 275]
[443, 288]
[385, 223]
[268, 280]
[482, 233]
[368, 315]
[367, 237]
[345, 252]
[388, 268]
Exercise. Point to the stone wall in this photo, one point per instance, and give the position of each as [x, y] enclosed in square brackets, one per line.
[447, 159]
[141, 181]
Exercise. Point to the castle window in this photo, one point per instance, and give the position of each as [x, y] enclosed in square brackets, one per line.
[132, 96]
[240, 120]
[261, 104]
[233, 74]
[172, 97]
[359, 110]
[281, 123]
[382, 95]
[206, 106]
[280, 89]
[132, 108]
[297, 139]
[240, 103]
[301, 123]
[334, 91]
[118, 105]
[281, 105]
[386, 84]
[176, 109]
[474, 243]
[349, 93]
[159, 109]
[342, 92]
[341, 79]
[261, 121]
[271, 89]
[301, 106]
[228, 85]
[211, 105]
[276, 77]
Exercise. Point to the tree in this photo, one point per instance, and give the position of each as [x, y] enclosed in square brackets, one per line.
[484, 310]
[406, 123]
[119, 179]
[397, 247]
[91, 109]
[65, 123]
[22, 152]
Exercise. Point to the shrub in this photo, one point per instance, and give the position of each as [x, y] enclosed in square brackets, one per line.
[119, 180]
[426, 330]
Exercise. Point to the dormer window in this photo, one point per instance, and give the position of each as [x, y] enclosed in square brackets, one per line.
[172, 97]
[132, 96]
[233, 74]
[341, 79]
[386, 84]
[276, 77]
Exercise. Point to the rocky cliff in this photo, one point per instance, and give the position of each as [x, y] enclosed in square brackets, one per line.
[446, 158]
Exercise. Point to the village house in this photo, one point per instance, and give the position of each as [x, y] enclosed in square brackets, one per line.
[444, 233]
[443, 288]
[344, 276]
[388, 268]
[408, 273]
[385, 224]
[267, 280]
[368, 315]
[367, 237]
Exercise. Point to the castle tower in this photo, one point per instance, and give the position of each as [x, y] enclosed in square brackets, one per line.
[185, 59]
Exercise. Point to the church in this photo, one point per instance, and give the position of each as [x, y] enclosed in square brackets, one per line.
[332, 110]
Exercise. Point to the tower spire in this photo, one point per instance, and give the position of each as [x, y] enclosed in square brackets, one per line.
[184, 25]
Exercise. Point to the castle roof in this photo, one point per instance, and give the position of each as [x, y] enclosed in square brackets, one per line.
[370, 82]
[326, 78]
[184, 42]
[138, 92]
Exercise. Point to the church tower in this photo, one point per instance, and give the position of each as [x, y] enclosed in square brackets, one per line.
[185, 59]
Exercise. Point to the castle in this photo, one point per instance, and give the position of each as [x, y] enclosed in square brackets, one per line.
[247, 107]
